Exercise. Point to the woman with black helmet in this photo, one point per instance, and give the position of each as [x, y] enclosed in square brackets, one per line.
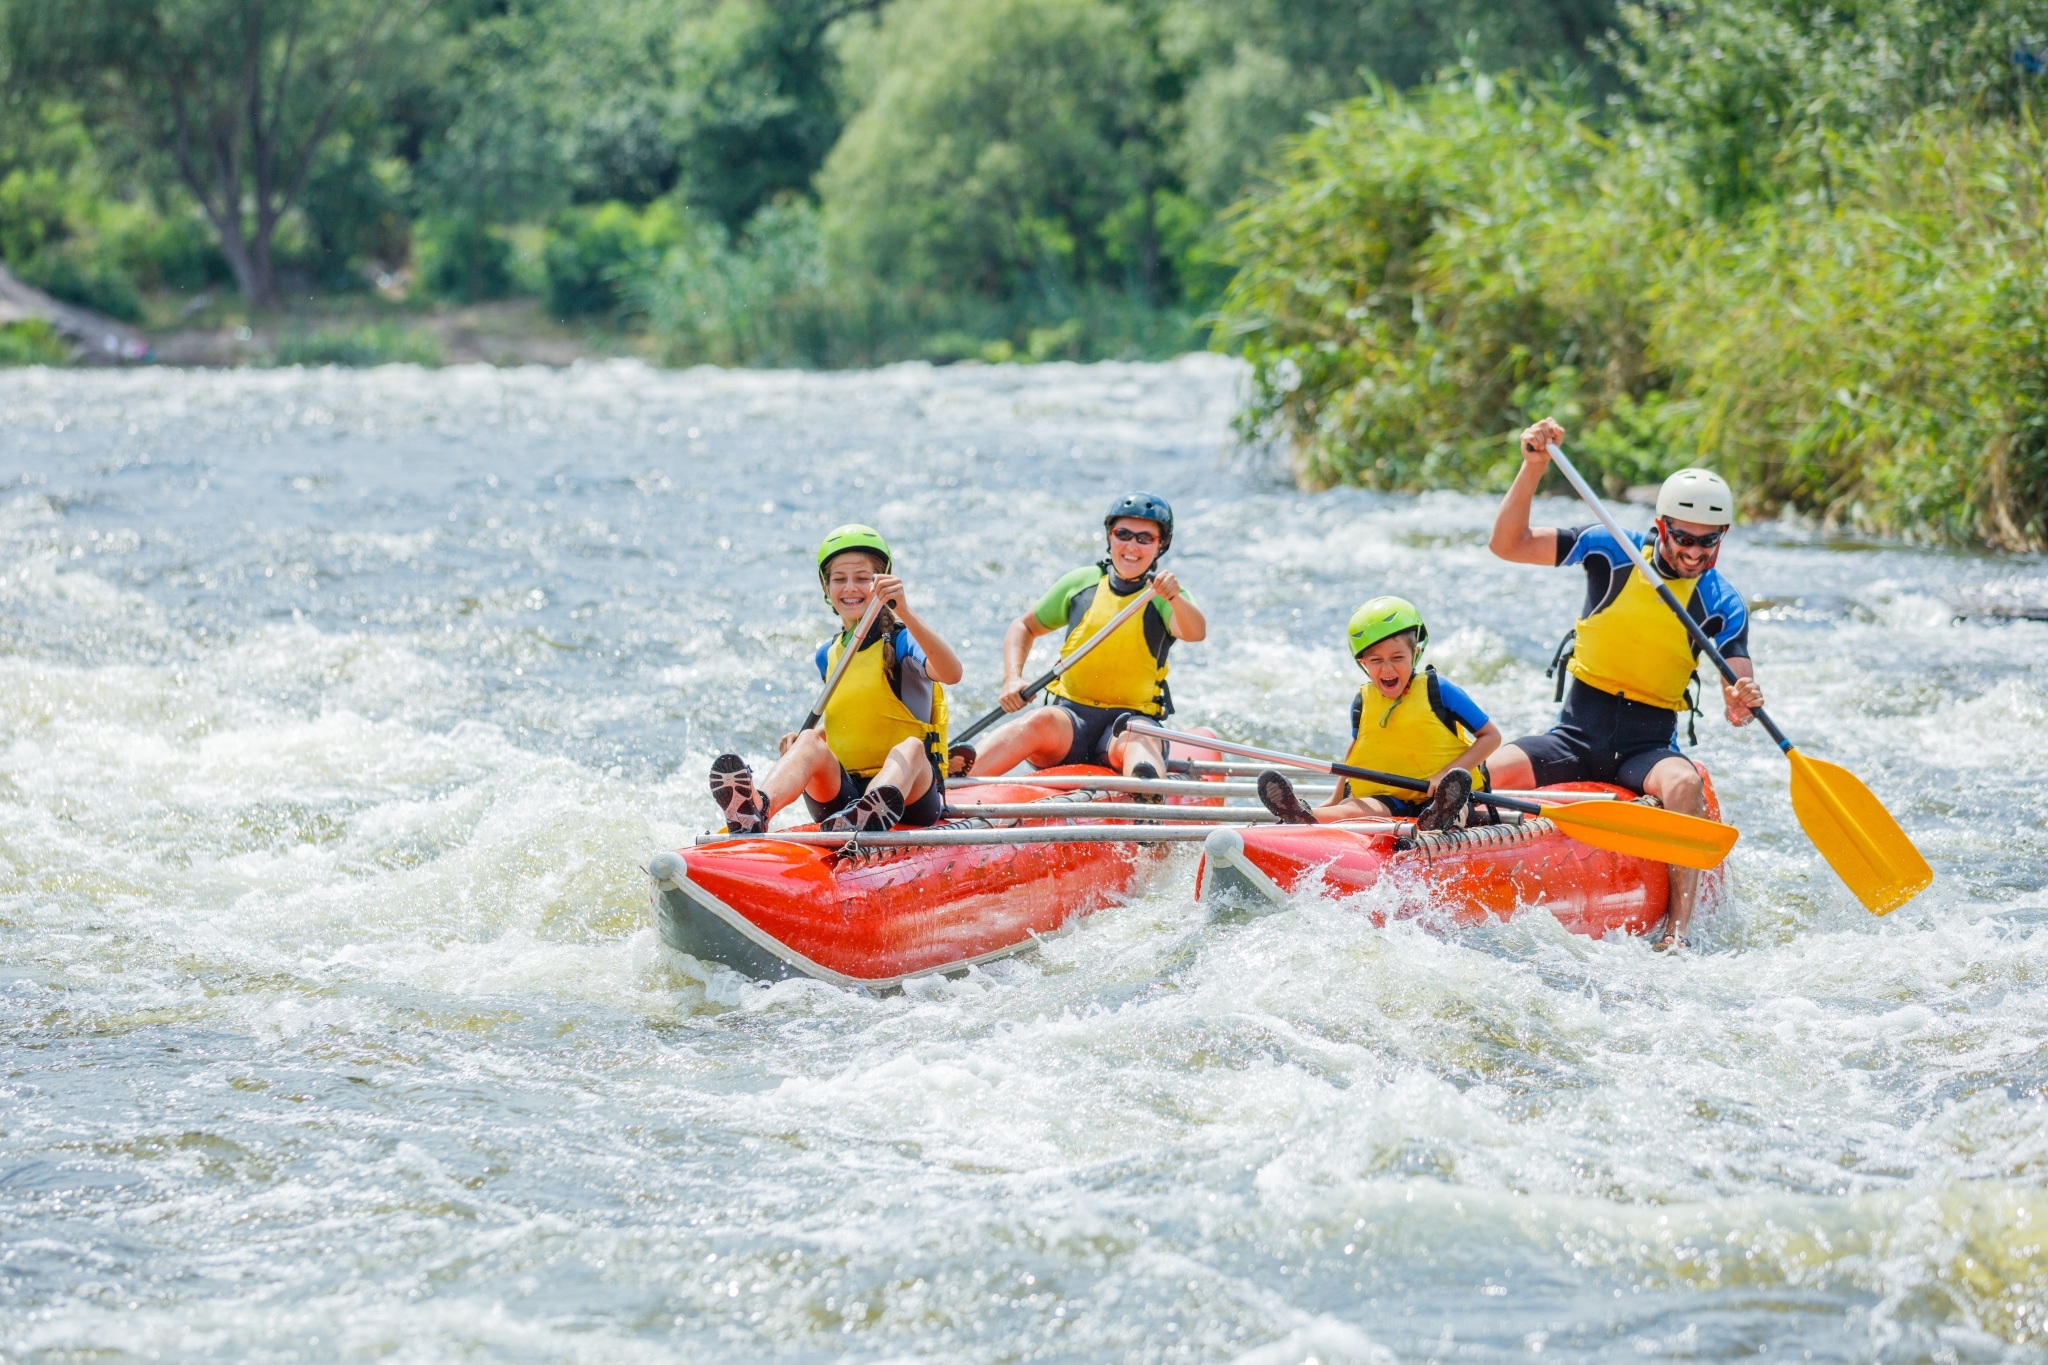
[1123, 676]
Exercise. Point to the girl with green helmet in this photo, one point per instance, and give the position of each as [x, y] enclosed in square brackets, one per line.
[1433, 732]
[875, 758]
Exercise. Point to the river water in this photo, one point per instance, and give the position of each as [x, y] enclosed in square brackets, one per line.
[339, 710]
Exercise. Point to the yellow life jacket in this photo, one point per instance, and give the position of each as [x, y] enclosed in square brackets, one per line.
[1634, 647]
[865, 718]
[1411, 735]
[1122, 672]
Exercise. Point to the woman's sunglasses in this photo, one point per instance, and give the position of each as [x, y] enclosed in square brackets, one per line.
[1685, 540]
[1135, 537]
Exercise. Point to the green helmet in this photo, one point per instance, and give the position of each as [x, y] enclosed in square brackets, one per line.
[1384, 616]
[853, 536]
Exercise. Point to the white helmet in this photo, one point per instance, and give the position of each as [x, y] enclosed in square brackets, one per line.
[1697, 495]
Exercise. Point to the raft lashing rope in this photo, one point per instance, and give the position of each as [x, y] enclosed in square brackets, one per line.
[1476, 838]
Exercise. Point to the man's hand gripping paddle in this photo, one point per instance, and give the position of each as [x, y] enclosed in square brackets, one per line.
[1852, 830]
[860, 635]
[1663, 836]
[1045, 680]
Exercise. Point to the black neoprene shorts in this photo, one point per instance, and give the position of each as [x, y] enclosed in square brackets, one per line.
[920, 814]
[1094, 728]
[1600, 737]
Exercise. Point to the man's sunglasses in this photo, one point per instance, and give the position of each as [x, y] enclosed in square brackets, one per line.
[1135, 537]
[1685, 540]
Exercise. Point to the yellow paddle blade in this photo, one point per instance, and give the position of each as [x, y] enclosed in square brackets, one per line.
[1857, 835]
[1663, 836]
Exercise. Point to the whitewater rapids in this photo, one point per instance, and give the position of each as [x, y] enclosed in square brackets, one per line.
[340, 710]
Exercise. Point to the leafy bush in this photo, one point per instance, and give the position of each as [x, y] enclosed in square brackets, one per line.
[32, 343]
[590, 253]
[377, 343]
[762, 301]
[1430, 275]
[461, 260]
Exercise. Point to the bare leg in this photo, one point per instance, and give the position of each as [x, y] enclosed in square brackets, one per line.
[1127, 751]
[907, 769]
[1040, 736]
[1511, 770]
[807, 766]
[1352, 808]
[1676, 783]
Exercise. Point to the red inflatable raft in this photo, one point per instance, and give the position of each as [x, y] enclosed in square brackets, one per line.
[772, 908]
[1468, 875]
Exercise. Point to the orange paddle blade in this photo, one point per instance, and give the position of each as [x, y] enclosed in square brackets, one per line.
[1663, 836]
[1857, 835]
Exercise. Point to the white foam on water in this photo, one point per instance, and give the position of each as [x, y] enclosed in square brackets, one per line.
[337, 1027]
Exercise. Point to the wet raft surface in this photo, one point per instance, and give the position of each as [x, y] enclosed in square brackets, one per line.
[338, 713]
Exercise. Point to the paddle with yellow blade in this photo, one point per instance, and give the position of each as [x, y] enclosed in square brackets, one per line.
[1850, 827]
[1663, 836]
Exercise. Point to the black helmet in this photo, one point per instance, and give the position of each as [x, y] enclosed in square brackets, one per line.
[1146, 507]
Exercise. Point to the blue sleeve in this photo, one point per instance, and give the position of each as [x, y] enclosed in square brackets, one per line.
[1721, 600]
[1459, 703]
[1576, 543]
[824, 658]
[909, 651]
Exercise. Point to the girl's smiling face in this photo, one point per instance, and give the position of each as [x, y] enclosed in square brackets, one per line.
[850, 581]
[1133, 545]
[1390, 663]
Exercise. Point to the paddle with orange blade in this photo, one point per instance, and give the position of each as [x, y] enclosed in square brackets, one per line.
[1849, 825]
[1663, 836]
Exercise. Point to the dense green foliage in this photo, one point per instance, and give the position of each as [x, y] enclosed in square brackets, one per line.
[1794, 261]
[1797, 239]
[910, 177]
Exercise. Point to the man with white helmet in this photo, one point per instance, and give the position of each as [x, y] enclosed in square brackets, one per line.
[1631, 662]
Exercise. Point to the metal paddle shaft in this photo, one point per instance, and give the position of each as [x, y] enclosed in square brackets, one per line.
[1111, 810]
[1663, 836]
[860, 634]
[1848, 824]
[1052, 675]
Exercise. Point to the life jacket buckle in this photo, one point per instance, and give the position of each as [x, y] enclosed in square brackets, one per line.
[1560, 661]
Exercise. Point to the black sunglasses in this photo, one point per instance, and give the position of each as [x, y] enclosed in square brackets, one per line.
[1687, 541]
[1135, 537]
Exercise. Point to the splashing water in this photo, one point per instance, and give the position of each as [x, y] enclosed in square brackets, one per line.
[338, 712]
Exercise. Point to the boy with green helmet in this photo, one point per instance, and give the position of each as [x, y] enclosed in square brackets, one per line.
[875, 759]
[1434, 733]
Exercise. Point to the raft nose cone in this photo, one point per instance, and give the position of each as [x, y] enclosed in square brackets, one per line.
[668, 869]
[1232, 881]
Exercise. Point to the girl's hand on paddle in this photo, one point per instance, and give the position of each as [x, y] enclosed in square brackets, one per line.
[1011, 698]
[1537, 441]
[889, 588]
[1742, 700]
[1166, 586]
[782, 745]
[1439, 775]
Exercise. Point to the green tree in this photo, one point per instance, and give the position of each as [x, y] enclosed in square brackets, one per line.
[238, 98]
[1004, 145]
[1256, 68]
[1770, 96]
